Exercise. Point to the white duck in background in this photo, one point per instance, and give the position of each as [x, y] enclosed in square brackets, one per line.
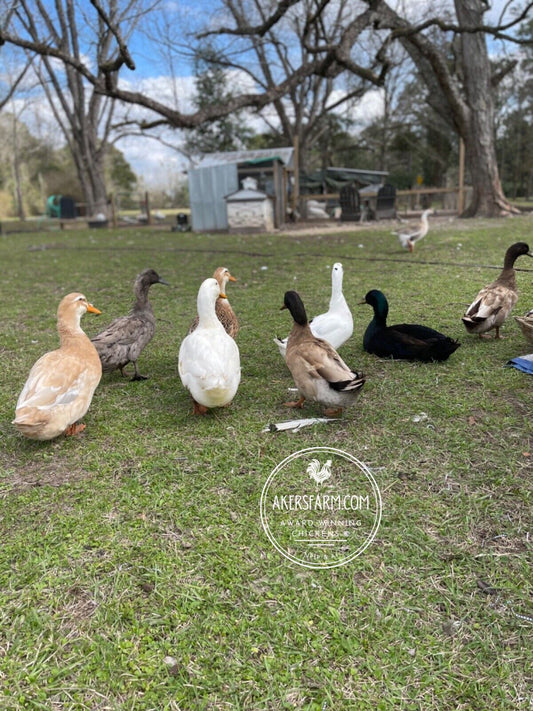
[336, 325]
[209, 362]
[61, 384]
[410, 233]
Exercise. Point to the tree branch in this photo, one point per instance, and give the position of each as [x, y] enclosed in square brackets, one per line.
[15, 84]
[259, 30]
[124, 56]
[498, 32]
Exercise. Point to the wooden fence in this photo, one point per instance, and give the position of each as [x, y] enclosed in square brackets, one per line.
[444, 199]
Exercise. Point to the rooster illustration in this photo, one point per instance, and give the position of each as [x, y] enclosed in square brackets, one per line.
[318, 473]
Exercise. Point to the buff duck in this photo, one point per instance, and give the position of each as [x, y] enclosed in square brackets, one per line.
[125, 338]
[60, 386]
[335, 325]
[494, 302]
[526, 325]
[410, 233]
[209, 363]
[318, 371]
[223, 310]
[403, 341]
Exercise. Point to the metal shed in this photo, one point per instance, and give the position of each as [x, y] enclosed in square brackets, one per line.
[220, 174]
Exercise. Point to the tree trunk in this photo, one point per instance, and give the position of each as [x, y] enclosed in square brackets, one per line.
[94, 190]
[488, 199]
[463, 100]
[16, 173]
[89, 162]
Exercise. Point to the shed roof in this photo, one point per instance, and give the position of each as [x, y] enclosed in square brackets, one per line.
[285, 155]
[246, 195]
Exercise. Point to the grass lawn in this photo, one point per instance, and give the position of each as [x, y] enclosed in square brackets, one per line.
[134, 570]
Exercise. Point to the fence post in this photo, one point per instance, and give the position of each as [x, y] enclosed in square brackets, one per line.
[147, 203]
[113, 210]
[461, 196]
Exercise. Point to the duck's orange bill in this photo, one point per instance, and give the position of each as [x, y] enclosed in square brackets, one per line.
[232, 278]
[223, 296]
[92, 309]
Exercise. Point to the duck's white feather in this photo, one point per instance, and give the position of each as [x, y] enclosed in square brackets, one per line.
[335, 325]
[411, 233]
[209, 362]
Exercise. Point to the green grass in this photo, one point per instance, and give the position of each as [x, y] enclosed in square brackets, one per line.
[134, 571]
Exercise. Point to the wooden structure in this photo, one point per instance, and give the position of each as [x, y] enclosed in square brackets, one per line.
[218, 175]
[350, 203]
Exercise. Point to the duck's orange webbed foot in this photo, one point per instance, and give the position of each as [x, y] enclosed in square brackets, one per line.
[295, 403]
[73, 430]
[333, 411]
[198, 409]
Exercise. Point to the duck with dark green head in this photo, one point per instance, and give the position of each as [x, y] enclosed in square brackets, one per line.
[406, 341]
[318, 371]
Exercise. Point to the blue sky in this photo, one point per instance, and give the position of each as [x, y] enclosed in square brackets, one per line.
[157, 164]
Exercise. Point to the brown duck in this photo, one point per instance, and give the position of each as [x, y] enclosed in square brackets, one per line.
[223, 310]
[494, 302]
[526, 325]
[61, 384]
[123, 341]
[318, 371]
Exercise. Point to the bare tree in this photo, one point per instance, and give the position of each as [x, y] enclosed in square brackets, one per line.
[63, 30]
[463, 98]
[115, 55]
[271, 58]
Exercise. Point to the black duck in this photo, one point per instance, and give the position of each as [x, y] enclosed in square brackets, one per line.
[405, 340]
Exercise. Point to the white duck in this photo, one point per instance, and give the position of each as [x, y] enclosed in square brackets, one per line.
[411, 233]
[209, 363]
[223, 310]
[336, 325]
[61, 383]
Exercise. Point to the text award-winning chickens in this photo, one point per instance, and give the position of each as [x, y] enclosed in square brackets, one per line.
[321, 507]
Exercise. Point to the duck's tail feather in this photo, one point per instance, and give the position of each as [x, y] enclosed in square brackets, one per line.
[441, 349]
[282, 345]
[346, 386]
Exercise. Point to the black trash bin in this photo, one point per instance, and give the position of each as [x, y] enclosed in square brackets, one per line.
[182, 221]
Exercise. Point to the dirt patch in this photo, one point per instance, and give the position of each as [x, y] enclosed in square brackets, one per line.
[16, 476]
